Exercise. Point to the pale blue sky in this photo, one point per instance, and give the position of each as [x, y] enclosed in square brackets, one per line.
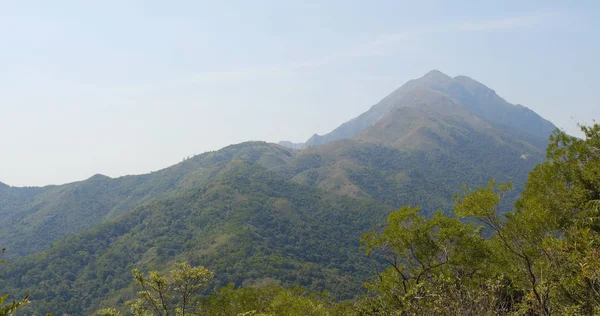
[127, 87]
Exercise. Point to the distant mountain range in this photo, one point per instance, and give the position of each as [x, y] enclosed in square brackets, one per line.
[256, 211]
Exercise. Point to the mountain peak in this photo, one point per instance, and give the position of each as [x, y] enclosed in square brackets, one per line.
[99, 177]
[436, 75]
[435, 88]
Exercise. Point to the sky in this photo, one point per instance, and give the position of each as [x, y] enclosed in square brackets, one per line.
[128, 87]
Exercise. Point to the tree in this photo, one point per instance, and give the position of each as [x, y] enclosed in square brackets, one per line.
[107, 312]
[540, 258]
[566, 189]
[518, 241]
[12, 307]
[162, 296]
[270, 299]
[437, 266]
[550, 242]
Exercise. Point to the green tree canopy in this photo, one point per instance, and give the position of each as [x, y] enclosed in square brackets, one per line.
[175, 295]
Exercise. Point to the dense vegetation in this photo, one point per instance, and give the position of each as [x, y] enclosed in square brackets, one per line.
[416, 146]
[281, 229]
[34, 218]
[543, 257]
[250, 224]
[247, 225]
[250, 212]
[9, 308]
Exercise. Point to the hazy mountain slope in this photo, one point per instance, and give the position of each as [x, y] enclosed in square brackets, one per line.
[472, 95]
[247, 224]
[400, 177]
[14, 199]
[517, 119]
[33, 218]
[420, 152]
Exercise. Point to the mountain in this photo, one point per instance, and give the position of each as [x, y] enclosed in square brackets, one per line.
[423, 141]
[470, 94]
[33, 218]
[248, 224]
[256, 211]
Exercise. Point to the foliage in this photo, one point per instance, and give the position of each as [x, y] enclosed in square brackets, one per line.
[256, 210]
[246, 224]
[160, 296]
[107, 312]
[12, 307]
[271, 299]
[436, 266]
[32, 218]
[541, 259]
[449, 149]
[174, 296]
[255, 213]
[551, 239]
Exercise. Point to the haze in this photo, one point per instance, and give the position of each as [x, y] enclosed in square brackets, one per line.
[124, 88]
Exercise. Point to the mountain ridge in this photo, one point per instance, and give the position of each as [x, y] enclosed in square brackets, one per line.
[34, 217]
[259, 210]
[28, 212]
[473, 95]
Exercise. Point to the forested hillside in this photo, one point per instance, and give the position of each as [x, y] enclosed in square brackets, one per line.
[33, 218]
[540, 259]
[247, 224]
[420, 152]
[257, 213]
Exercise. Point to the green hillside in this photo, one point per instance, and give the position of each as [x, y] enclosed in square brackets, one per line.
[259, 213]
[247, 224]
[33, 218]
